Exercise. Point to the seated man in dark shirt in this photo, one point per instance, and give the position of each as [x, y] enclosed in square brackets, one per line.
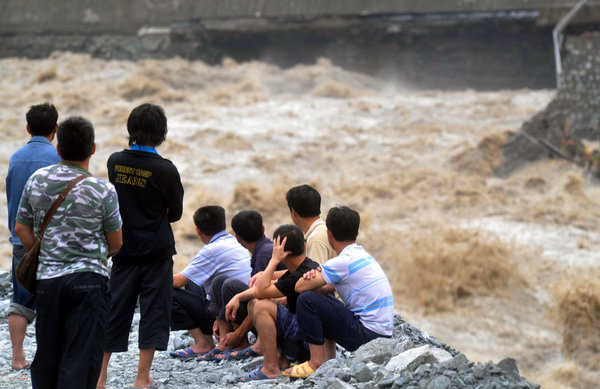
[249, 230]
[276, 324]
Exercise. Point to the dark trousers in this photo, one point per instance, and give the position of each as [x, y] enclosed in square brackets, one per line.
[153, 284]
[190, 310]
[223, 289]
[70, 329]
[323, 317]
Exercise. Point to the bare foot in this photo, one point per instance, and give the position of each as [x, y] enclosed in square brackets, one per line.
[200, 349]
[145, 384]
[20, 365]
[270, 374]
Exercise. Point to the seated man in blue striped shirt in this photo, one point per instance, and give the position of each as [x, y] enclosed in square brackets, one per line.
[193, 309]
[367, 311]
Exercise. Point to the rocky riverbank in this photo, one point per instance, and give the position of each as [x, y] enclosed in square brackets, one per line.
[411, 359]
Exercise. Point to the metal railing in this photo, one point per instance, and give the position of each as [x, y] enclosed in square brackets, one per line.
[558, 38]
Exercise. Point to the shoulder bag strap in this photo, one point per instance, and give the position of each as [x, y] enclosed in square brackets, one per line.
[58, 202]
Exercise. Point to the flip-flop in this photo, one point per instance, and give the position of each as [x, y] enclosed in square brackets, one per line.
[254, 375]
[186, 353]
[243, 354]
[302, 370]
[210, 356]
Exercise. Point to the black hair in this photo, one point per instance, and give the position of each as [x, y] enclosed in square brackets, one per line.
[343, 223]
[147, 125]
[305, 200]
[42, 119]
[210, 219]
[248, 225]
[295, 238]
[75, 138]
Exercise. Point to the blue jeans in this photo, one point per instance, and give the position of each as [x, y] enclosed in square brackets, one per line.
[23, 302]
[288, 336]
[323, 317]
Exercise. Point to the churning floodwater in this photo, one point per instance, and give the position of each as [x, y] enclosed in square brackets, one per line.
[495, 267]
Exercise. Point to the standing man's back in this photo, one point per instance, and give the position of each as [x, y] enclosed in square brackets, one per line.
[151, 198]
[37, 153]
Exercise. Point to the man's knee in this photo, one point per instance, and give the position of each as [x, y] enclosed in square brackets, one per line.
[217, 284]
[265, 307]
[307, 299]
[231, 287]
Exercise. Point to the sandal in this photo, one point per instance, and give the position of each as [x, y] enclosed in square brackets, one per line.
[186, 353]
[223, 355]
[302, 370]
[243, 354]
[254, 375]
[210, 356]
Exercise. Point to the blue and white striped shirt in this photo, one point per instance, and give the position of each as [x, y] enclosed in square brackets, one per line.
[363, 286]
[222, 255]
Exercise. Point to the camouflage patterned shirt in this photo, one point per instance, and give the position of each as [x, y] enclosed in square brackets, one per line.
[74, 240]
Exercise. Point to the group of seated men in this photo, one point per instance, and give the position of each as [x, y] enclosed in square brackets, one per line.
[283, 291]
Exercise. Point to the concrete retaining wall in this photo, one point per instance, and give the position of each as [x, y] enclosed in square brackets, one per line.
[93, 16]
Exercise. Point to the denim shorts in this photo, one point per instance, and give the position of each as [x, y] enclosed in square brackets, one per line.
[288, 336]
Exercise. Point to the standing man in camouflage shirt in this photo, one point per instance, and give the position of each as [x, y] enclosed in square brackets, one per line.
[72, 277]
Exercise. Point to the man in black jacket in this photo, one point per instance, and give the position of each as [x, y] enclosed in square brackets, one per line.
[150, 197]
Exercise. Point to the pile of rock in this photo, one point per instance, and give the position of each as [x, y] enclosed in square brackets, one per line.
[572, 117]
[411, 359]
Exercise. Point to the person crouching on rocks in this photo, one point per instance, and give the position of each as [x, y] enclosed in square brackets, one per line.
[367, 311]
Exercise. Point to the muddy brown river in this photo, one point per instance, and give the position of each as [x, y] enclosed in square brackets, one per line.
[495, 267]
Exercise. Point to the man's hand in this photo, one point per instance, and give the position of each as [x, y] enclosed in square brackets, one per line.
[279, 253]
[254, 278]
[231, 340]
[309, 275]
[326, 289]
[231, 308]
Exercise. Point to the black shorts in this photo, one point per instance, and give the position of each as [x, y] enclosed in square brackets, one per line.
[153, 284]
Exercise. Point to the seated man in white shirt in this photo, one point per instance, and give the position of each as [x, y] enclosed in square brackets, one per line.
[367, 310]
[193, 309]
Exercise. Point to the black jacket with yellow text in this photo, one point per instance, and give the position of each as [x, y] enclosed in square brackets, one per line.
[150, 199]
